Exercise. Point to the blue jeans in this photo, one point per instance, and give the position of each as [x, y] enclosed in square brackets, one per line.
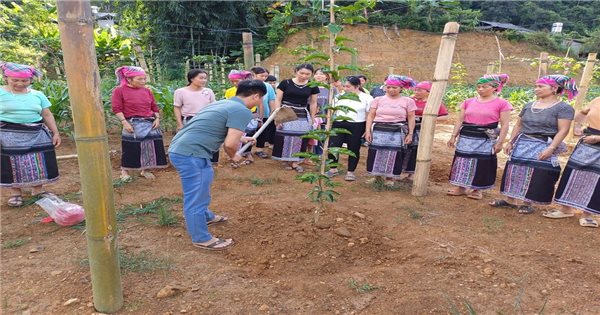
[196, 177]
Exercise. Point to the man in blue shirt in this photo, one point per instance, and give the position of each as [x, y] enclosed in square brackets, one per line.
[221, 123]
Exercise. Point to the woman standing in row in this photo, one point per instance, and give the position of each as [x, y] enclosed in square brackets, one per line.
[356, 126]
[475, 163]
[141, 140]
[420, 97]
[267, 135]
[28, 134]
[190, 100]
[531, 173]
[579, 186]
[390, 127]
[298, 95]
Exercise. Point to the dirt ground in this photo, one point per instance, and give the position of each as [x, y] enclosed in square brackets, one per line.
[406, 255]
[414, 53]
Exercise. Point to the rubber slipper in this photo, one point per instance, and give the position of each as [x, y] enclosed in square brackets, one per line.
[262, 155]
[557, 214]
[218, 219]
[217, 242]
[350, 177]
[298, 169]
[126, 178]
[477, 195]
[501, 203]
[148, 175]
[523, 209]
[389, 183]
[330, 173]
[15, 201]
[588, 222]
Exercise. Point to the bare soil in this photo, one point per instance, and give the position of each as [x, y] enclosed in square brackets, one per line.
[408, 255]
[414, 53]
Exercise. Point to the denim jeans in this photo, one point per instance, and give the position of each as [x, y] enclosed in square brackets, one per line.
[196, 177]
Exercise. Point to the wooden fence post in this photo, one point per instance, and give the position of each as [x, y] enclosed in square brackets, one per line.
[543, 69]
[440, 81]
[490, 68]
[390, 70]
[272, 70]
[276, 72]
[257, 59]
[583, 87]
[248, 50]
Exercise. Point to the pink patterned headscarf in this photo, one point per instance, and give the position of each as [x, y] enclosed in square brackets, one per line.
[125, 72]
[401, 81]
[239, 75]
[425, 85]
[496, 80]
[15, 70]
[558, 80]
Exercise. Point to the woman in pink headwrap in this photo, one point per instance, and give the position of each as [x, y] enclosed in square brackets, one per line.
[28, 134]
[474, 165]
[389, 129]
[420, 96]
[141, 139]
[532, 170]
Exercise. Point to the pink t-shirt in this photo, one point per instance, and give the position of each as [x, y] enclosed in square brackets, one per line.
[393, 109]
[484, 113]
[191, 102]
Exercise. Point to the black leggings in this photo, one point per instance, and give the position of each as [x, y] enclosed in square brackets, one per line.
[351, 140]
[267, 135]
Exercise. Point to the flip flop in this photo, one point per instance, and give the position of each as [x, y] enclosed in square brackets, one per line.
[217, 242]
[501, 203]
[477, 195]
[588, 222]
[126, 178]
[389, 183]
[557, 214]
[218, 219]
[524, 209]
[147, 175]
[262, 155]
[15, 201]
[350, 177]
[331, 174]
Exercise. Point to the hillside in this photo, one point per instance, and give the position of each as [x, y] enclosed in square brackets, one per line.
[414, 53]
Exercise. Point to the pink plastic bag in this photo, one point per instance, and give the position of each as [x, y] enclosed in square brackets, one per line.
[63, 213]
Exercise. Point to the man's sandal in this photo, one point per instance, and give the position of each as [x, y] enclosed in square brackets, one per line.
[214, 246]
[557, 214]
[588, 222]
[477, 195]
[218, 219]
[525, 209]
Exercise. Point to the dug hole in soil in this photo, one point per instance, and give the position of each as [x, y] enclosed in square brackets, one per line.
[373, 252]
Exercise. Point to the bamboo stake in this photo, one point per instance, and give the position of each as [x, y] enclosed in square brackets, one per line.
[257, 59]
[390, 70]
[142, 60]
[490, 68]
[500, 55]
[440, 81]
[543, 69]
[272, 71]
[75, 23]
[276, 72]
[248, 50]
[583, 87]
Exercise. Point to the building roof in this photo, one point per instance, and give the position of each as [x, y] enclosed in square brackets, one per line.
[489, 25]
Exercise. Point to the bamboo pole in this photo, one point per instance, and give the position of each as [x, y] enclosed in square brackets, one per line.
[440, 81]
[390, 70]
[272, 70]
[248, 50]
[75, 24]
[354, 63]
[583, 87]
[543, 68]
[490, 68]
[142, 60]
[276, 72]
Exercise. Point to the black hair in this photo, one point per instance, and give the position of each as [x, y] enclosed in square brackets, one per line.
[194, 73]
[249, 87]
[354, 80]
[271, 78]
[362, 76]
[306, 66]
[258, 70]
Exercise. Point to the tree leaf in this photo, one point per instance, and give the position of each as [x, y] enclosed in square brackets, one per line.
[334, 28]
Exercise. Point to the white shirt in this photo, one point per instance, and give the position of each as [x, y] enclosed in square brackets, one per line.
[361, 108]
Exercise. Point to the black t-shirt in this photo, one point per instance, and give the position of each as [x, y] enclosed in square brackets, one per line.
[296, 94]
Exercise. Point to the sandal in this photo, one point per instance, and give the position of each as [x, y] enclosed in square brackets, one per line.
[350, 177]
[389, 183]
[235, 165]
[218, 219]
[475, 194]
[331, 173]
[213, 245]
[126, 178]
[456, 192]
[588, 222]
[147, 175]
[525, 209]
[298, 168]
[557, 214]
[308, 162]
[15, 201]
[501, 203]
[247, 162]
[262, 155]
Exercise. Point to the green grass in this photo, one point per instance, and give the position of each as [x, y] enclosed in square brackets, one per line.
[414, 214]
[14, 243]
[492, 224]
[140, 262]
[166, 217]
[361, 288]
[256, 181]
[379, 185]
